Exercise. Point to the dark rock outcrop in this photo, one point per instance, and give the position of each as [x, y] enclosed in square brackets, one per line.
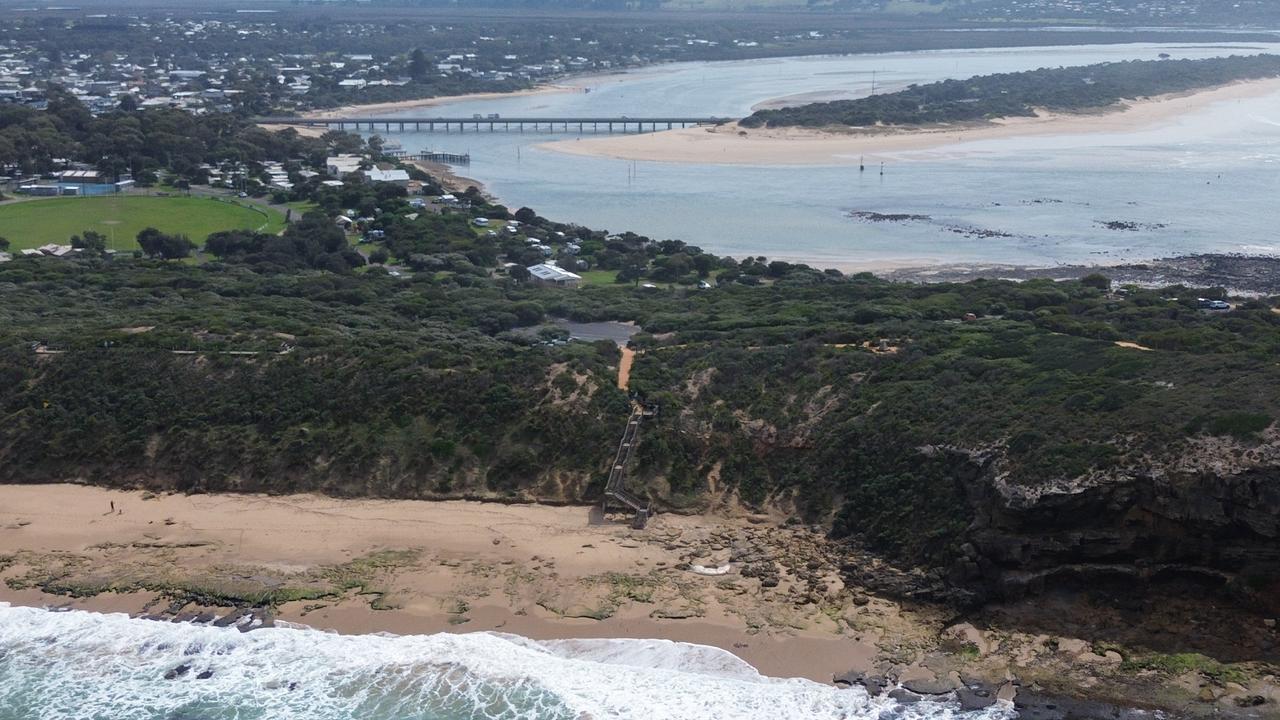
[1205, 525]
[1217, 527]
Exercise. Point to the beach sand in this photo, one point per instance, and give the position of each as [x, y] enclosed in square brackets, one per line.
[534, 570]
[729, 144]
[419, 567]
[445, 175]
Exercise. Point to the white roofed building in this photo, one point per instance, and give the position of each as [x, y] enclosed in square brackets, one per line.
[549, 274]
[399, 177]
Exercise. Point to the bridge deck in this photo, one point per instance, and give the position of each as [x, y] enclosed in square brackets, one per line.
[496, 124]
[618, 119]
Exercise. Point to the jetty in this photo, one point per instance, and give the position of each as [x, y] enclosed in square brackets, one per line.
[580, 125]
[443, 157]
[615, 492]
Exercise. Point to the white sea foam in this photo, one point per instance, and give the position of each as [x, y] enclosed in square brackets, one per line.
[85, 665]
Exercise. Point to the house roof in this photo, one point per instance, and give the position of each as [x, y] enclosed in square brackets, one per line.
[552, 273]
[386, 175]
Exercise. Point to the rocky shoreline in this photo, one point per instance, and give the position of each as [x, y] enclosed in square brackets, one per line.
[1248, 275]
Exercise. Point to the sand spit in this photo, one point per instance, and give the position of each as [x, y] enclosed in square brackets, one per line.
[732, 145]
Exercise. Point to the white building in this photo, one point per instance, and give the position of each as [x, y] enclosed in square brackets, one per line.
[341, 166]
[399, 177]
[548, 274]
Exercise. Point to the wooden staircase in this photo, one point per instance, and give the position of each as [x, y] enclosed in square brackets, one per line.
[615, 489]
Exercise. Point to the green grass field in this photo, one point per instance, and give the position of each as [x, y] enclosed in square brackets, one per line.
[300, 207]
[34, 223]
[599, 277]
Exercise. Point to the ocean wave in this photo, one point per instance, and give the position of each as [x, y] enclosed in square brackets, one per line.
[86, 665]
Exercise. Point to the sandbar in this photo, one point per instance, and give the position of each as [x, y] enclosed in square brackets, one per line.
[730, 144]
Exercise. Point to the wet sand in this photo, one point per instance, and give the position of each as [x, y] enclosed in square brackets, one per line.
[732, 145]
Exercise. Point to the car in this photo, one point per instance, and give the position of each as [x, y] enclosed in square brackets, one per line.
[243, 195]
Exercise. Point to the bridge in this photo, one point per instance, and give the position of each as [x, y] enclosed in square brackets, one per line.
[489, 123]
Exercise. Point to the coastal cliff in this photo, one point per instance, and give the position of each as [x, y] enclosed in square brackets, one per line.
[991, 441]
[1210, 518]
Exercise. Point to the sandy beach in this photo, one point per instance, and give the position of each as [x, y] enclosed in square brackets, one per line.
[452, 181]
[733, 145]
[770, 593]
[424, 567]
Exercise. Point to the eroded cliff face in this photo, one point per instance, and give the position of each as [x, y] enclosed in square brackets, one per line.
[1208, 517]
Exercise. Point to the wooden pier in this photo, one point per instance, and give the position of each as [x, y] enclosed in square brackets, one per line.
[615, 489]
[579, 125]
[443, 157]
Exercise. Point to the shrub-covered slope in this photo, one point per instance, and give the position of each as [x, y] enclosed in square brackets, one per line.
[1005, 435]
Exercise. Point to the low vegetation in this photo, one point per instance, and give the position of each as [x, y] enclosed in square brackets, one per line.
[1024, 94]
[817, 392]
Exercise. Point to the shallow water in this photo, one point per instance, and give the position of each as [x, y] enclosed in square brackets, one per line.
[1202, 183]
[93, 666]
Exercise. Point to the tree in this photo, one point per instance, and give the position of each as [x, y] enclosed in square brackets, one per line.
[128, 103]
[632, 271]
[91, 240]
[343, 142]
[1096, 280]
[418, 65]
[519, 272]
[4, 243]
[149, 239]
[169, 247]
[704, 264]
[226, 243]
[526, 216]
[379, 256]
[176, 246]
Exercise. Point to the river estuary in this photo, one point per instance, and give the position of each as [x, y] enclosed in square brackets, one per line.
[1038, 200]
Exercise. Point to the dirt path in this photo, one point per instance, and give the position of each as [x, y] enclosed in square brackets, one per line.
[624, 367]
[1132, 345]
